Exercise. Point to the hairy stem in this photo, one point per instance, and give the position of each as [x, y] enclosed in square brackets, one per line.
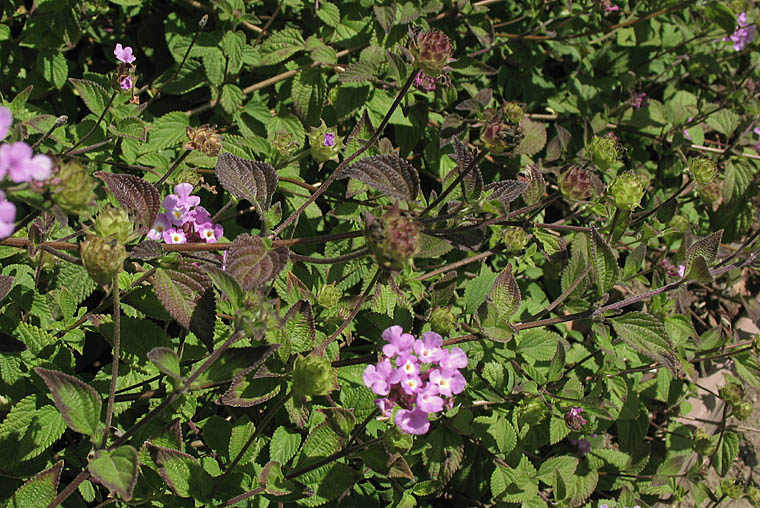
[94, 127]
[115, 360]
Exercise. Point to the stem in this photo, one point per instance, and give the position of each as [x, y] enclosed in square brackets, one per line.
[334, 456]
[565, 294]
[173, 167]
[178, 392]
[61, 120]
[329, 261]
[335, 174]
[115, 359]
[453, 184]
[100, 119]
[457, 264]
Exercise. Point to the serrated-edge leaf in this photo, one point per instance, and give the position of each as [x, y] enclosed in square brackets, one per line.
[281, 448]
[147, 249]
[647, 335]
[387, 173]
[41, 489]
[6, 283]
[252, 264]
[604, 267]
[444, 455]
[536, 186]
[179, 291]
[136, 194]
[78, 402]
[94, 96]
[506, 191]
[246, 179]
[473, 181]
[309, 91]
[166, 360]
[534, 138]
[706, 248]
[116, 470]
[505, 293]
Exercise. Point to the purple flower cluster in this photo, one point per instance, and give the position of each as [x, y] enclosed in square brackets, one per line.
[637, 99]
[609, 7]
[18, 162]
[744, 34]
[401, 378]
[184, 221]
[423, 82]
[123, 54]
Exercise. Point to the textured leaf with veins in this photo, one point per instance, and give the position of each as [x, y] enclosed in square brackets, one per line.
[252, 263]
[387, 173]
[253, 181]
[507, 191]
[179, 290]
[473, 180]
[135, 194]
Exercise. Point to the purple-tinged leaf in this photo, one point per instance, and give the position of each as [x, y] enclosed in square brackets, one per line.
[166, 360]
[706, 248]
[252, 264]
[387, 173]
[276, 485]
[9, 345]
[227, 285]
[38, 491]
[507, 191]
[147, 249]
[6, 283]
[536, 185]
[469, 239]
[38, 232]
[647, 335]
[444, 457]
[179, 290]
[78, 402]
[135, 194]
[116, 470]
[361, 133]
[505, 293]
[248, 390]
[477, 103]
[473, 181]
[203, 320]
[181, 472]
[253, 181]
[341, 420]
[385, 16]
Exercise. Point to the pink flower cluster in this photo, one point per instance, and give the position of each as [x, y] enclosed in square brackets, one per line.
[19, 163]
[401, 378]
[184, 221]
[744, 34]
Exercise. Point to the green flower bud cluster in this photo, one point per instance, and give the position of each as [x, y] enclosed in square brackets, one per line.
[627, 190]
[114, 222]
[576, 184]
[329, 296]
[603, 151]
[442, 321]
[531, 411]
[103, 257]
[732, 488]
[710, 193]
[393, 239]
[312, 376]
[703, 443]
[733, 393]
[284, 143]
[73, 188]
[325, 144]
[703, 170]
[515, 238]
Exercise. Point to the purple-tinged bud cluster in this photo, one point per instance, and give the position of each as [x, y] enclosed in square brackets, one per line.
[637, 99]
[573, 418]
[123, 78]
[609, 7]
[423, 82]
[583, 445]
[431, 51]
[417, 375]
[184, 221]
[18, 162]
[744, 34]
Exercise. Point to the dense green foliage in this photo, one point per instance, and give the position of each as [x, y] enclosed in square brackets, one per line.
[567, 191]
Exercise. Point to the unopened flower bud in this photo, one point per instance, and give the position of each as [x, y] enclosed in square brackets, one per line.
[102, 257]
[284, 143]
[573, 418]
[114, 222]
[603, 151]
[753, 494]
[73, 188]
[742, 410]
[515, 238]
[627, 190]
[204, 139]
[531, 411]
[710, 193]
[324, 143]
[731, 392]
[576, 184]
[392, 238]
[442, 321]
[732, 488]
[123, 78]
[423, 82]
[431, 51]
[703, 443]
[329, 296]
[512, 112]
[501, 137]
[703, 170]
[313, 375]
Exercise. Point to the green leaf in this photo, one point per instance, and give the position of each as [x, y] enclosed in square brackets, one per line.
[604, 267]
[39, 491]
[558, 430]
[721, 15]
[444, 454]
[241, 433]
[167, 131]
[77, 401]
[322, 442]
[94, 96]
[505, 293]
[724, 121]
[538, 343]
[274, 481]
[284, 445]
[535, 137]
[309, 92]
[582, 487]
[550, 242]
[647, 335]
[329, 13]
[279, 47]
[180, 290]
[166, 360]
[231, 98]
[726, 453]
[477, 289]
[116, 470]
[566, 466]
[181, 472]
[36, 339]
[54, 67]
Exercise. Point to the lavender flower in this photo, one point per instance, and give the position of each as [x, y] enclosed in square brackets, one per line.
[7, 216]
[398, 341]
[126, 83]
[609, 7]
[744, 34]
[192, 223]
[19, 163]
[124, 54]
[329, 139]
[573, 418]
[380, 377]
[6, 119]
[174, 235]
[583, 446]
[423, 82]
[163, 221]
[412, 422]
[637, 99]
